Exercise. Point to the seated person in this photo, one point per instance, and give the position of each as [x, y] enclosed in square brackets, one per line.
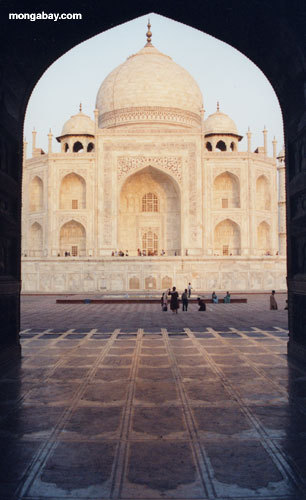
[227, 298]
[201, 303]
[214, 298]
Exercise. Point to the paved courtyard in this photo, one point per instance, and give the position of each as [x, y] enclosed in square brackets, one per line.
[43, 312]
[212, 410]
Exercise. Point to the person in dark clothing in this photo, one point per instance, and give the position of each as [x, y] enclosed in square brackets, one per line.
[201, 303]
[174, 303]
[185, 300]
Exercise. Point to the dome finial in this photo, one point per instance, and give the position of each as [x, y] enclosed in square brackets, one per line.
[218, 106]
[80, 107]
[149, 33]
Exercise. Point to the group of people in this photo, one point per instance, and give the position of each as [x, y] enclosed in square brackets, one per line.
[226, 298]
[174, 299]
[120, 253]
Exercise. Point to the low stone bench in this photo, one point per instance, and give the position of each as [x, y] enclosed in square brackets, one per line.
[133, 300]
[233, 301]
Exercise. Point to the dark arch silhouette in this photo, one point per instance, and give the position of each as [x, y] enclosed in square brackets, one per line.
[78, 147]
[282, 30]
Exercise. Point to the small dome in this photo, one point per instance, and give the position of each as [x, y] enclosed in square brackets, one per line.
[79, 124]
[149, 87]
[220, 123]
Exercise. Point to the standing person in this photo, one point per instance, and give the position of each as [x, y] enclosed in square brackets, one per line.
[185, 300]
[214, 298]
[189, 289]
[164, 301]
[174, 305]
[273, 303]
[201, 303]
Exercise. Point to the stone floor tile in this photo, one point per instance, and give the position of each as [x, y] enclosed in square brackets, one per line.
[155, 373]
[155, 392]
[206, 391]
[159, 422]
[106, 392]
[161, 466]
[92, 423]
[224, 420]
[243, 465]
[79, 467]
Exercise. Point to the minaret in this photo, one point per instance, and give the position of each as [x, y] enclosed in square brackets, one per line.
[265, 132]
[50, 135]
[25, 146]
[282, 203]
[274, 143]
[249, 136]
[34, 133]
[96, 114]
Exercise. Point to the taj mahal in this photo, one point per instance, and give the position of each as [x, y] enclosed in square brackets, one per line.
[152, 177]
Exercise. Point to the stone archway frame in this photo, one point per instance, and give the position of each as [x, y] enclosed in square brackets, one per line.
[159, 230]
[236, 179]
[81, 175]
[171, 165]
[233, 222]
[185, 150]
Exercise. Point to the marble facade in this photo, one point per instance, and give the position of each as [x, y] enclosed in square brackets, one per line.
[150, 173]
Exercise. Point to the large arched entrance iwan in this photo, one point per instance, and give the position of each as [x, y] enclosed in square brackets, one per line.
[150, 214]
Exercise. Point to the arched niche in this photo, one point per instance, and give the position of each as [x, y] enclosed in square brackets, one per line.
[264, 238]
[227, 238]
[134, 283]
[166, 282]
[263, 195]
[90, 147]
[150, 243]
[78, 147]
[150, 283]
[72, 239]
[226, 191]
[208, 146]
[149, 201]
[221, 146]
[36, 194]
[35, 241]
[72, 192]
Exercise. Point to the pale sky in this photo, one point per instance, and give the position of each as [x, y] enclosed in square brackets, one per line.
[222, 73]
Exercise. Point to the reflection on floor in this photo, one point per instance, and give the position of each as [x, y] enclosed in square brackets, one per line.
[147, 415]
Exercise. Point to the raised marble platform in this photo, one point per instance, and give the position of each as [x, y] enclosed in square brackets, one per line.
[112, 274]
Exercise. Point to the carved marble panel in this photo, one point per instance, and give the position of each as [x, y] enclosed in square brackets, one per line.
[128, 164]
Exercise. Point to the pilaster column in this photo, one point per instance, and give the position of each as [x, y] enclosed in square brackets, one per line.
[282, 206]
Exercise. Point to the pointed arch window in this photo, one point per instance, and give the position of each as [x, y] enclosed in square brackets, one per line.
[150, 243]
[150, 203]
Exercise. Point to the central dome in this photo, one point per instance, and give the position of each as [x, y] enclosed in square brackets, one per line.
[149, 88]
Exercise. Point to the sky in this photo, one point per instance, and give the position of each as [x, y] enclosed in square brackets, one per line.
[222, 73]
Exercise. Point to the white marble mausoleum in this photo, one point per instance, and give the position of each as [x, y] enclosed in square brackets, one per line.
[151, 174]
